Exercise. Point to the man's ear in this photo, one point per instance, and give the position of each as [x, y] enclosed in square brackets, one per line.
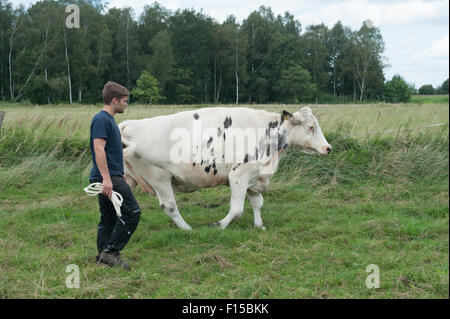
[286, 115]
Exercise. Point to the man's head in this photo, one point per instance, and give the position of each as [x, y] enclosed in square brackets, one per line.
[115, 96]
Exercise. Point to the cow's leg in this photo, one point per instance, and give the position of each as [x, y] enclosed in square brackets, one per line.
[238, 189]
[156, 180]
[167, 202]
[256, 201]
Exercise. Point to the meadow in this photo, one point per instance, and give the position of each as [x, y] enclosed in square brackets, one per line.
[430, 99]
[381, 197]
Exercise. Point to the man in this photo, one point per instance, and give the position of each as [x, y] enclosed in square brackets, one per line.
[106, 147]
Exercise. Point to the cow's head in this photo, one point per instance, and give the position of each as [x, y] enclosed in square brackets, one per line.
[306, 134]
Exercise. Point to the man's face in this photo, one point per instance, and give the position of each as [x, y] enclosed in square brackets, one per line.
[120, 104]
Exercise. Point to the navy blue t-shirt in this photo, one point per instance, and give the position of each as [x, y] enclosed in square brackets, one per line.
[104, 126]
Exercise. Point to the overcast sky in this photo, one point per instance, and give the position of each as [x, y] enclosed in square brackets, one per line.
[416, 32]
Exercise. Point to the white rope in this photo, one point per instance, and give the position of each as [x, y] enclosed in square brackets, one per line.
[96, 188]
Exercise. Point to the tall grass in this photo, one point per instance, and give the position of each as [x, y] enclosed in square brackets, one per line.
[383, 158]
[43, 150]
[361, 119]
[28, 138]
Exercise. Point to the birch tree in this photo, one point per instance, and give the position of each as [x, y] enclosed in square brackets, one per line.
[16, 24]
[369, 46]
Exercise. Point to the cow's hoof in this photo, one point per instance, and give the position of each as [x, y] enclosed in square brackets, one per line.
[261, 227]
[215, 225]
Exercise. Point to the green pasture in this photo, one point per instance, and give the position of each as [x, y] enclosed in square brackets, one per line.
[379, 198]
[430, 99]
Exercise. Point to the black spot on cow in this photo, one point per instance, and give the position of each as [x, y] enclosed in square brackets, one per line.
[201, 163]
[219, 132]
[246, 158]
[196, 116]
[281, 140]
[208, 144]
[215, 171]
[273, 124]
[256, 153]
[227, 122]
[286, 146]
[207, 168]
[268, 150]
[193, 164]
[234, 168]
[224, 136]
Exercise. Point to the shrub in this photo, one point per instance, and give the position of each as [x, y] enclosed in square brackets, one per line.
[147, 90]
[426, 89]
[397, 90]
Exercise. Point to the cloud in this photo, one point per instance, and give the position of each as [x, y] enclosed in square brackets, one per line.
[414, 12]
[386, 14]
[439, 48]
[419, 59]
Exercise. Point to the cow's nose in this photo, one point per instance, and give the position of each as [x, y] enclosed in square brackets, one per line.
[328, 150]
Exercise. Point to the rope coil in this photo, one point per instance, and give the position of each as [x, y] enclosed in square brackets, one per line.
[96, 188]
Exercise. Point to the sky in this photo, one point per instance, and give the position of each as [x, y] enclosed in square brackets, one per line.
[416, 32]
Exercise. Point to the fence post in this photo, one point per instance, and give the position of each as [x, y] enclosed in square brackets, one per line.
[2, 116]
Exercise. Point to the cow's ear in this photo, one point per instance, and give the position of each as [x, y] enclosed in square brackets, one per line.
[286, 115]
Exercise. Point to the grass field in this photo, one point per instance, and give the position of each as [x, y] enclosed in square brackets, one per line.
[430, 99]
[379, 198]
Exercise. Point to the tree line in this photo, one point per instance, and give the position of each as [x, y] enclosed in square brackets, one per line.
[428, 89]
[183, 56]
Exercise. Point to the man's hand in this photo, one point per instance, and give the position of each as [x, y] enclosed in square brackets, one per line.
[107, 187]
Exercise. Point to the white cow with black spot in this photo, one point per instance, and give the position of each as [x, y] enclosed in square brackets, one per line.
[239, 147]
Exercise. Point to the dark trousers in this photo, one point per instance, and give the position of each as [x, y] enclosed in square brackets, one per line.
[114, 232]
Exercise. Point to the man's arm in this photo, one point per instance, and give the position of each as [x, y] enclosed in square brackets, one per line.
[100, 158]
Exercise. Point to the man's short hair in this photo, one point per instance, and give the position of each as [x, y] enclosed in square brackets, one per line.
[113, 90]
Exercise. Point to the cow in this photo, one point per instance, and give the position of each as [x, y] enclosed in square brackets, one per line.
[238, 147]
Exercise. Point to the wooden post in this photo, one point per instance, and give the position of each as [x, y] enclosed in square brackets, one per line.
[2, 116]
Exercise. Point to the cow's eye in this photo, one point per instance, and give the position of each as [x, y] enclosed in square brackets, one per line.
[311, 128]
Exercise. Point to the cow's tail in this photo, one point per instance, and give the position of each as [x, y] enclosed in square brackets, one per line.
[129, 147]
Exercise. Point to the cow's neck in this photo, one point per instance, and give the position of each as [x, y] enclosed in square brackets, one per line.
[281, 133]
